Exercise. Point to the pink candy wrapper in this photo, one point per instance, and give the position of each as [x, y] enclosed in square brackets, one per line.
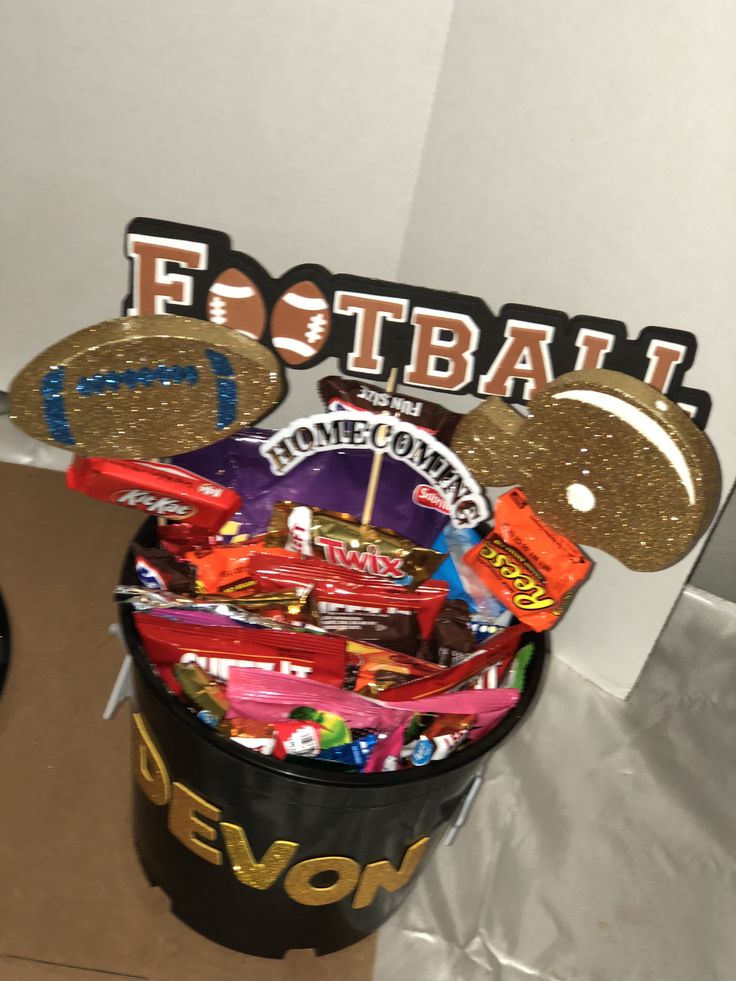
[267, 696]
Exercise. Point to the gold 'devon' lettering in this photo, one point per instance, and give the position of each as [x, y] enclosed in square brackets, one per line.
[298, 883]
[148, 765]
[186, 813]
[383, 874]
[249, 872]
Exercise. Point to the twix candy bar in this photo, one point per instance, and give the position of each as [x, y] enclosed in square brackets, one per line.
[341, 540]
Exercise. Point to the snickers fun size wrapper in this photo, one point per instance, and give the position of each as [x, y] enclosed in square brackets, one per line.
[341, 540]
[348, 393]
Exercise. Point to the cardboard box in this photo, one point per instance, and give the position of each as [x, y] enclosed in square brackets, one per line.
[75, 903]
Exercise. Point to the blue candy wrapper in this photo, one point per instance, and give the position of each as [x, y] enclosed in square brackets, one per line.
[355, 753]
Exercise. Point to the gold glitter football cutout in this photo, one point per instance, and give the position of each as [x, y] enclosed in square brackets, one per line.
[606, 460]
[141, 387]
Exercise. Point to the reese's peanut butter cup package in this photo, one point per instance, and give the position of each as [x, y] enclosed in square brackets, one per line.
[532, 569]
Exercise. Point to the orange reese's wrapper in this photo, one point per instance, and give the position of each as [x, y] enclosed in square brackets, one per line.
[525, 564]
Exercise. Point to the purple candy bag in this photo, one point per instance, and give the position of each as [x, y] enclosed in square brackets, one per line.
[336, 480]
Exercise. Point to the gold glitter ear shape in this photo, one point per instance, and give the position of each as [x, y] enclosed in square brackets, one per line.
[610, 462]
[147, 386]
[487, 441]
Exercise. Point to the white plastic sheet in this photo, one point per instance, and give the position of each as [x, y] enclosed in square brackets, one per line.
[601, 845]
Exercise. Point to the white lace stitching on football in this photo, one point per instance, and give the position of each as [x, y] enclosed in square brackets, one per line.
[300, 323]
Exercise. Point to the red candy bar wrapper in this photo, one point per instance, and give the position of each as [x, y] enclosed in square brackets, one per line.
[217, 649]
[154, 488]
[494, 651]
[296, 738]
[493, 676]
[336, 589]
[182, 537]
[530, 568]
[225, 568]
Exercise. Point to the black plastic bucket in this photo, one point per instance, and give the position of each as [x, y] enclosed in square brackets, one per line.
[264, 855]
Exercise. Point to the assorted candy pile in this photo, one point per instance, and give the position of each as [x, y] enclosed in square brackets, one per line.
[297, 631]
[321, 592]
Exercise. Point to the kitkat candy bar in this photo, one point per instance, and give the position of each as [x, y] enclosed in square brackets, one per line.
[158, 489]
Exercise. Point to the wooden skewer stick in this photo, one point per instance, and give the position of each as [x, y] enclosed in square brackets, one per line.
[375, 474]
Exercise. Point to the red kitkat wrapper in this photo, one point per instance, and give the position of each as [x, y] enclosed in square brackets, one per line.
[216, 649]
[155, 488]
[532, 569]
[494, 651]
[339, 589]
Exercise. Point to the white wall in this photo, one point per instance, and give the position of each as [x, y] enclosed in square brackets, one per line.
[581, 156]
[567, 153]
[297, 128]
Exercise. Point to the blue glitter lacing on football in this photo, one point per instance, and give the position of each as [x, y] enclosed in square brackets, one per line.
[227, 394]
[54, 411]
[112, 381]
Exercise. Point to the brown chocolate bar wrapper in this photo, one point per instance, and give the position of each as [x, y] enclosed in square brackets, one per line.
[397, 631]
[342, 541]
[452, 639]
[158, 568]
[347, 393]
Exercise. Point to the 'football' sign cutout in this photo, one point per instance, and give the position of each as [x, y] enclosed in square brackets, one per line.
[444, 342]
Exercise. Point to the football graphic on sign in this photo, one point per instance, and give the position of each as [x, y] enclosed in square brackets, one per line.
[146, 386]
[235, 301]
[300, 323]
